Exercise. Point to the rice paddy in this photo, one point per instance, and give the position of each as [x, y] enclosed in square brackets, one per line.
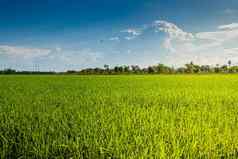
[151, 116]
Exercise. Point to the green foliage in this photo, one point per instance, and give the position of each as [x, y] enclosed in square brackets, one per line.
[189, 68]
[176, 116]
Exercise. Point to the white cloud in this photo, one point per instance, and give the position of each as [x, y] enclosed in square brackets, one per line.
[173, 31]
[23, 52]
[58, 49]
[130, 37]
[231, 51]
[225, 33]
[210, 47]
[168, 45]
[203, 47]
[132, 31]
[56, 58]
[231, 26]
[74, 59]
[114, 38]
[80, 57]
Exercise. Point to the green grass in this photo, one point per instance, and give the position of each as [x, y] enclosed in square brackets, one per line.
[176, 116]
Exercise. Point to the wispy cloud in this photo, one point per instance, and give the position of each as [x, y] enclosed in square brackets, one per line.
[58, 49]
[173, 31]
[168, 45]
[130, 37]
[213, 47]
[231, 26]
[230, 11]
[132, 33]
[23, 52]
[202, 47]
[57, 58]
[114, 38]
[78, 56]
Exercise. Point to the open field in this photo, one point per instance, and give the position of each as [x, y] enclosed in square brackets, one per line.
[176, 116]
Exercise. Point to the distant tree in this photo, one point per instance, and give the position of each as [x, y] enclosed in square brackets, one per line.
[217, 68]
[106, 67]
[192, 68]
[233, 69]
[126, 69]
[98, 71]
[224, 69]
[181, 70]
[9, 71]
[151, 69]
[160, 68]
[196, 69]
[121, 69]
[71, 72]
[116, 69]
[189, 67]
[229, 63]
[205, 68]
[145, 70]
[135, 68]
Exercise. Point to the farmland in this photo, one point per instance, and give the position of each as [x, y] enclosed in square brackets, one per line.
[144, 116]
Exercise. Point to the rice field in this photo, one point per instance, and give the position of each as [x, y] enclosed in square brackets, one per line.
[152, 116]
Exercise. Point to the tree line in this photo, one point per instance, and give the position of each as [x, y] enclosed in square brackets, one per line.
[9, 71]
[189, 68]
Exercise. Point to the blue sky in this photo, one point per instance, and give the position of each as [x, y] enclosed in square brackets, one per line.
[75, 34]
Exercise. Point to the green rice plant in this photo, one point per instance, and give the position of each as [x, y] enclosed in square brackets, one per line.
[152, 116]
